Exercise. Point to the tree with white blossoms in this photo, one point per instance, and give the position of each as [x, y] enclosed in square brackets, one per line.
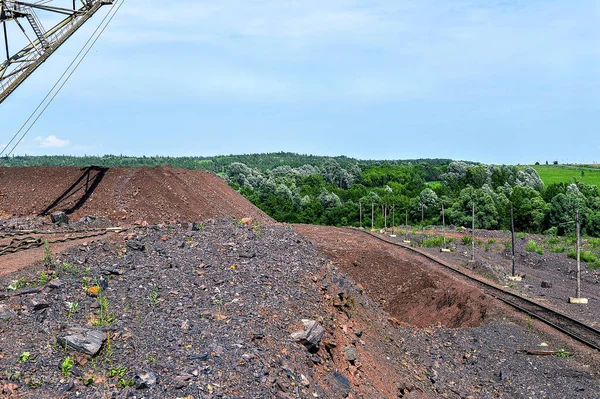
[329, 200]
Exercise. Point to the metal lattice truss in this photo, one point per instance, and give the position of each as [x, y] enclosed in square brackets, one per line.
[39, 42]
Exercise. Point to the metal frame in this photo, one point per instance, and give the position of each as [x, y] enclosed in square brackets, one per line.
[42, 43]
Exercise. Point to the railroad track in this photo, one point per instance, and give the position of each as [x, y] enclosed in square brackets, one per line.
[561, 322]
[22, 244]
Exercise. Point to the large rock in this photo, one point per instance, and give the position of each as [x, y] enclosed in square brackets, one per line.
[59, 218]
[339, 384]
[311, 336]
[83, 340]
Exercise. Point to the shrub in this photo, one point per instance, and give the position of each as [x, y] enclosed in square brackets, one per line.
[594, 266]
[533, 246]
[593, 242]
[467, 240]
[521, 235]
[552, 231]
[433, 242]
[558, 249]
[585, 256]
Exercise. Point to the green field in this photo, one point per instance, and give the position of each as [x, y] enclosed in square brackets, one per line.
[568, 173]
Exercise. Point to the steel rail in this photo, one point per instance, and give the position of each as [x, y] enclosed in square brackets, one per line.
[567, 325]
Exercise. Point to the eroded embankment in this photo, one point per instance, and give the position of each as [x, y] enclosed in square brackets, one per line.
[405, 284]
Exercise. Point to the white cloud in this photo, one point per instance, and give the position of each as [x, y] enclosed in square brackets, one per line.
[51, 142]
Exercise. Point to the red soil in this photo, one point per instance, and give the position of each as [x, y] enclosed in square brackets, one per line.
[409, 287]
[124, 194]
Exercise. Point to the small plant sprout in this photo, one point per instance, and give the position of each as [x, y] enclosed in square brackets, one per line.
[117, 372]
[16, 284]
[47, 258]
[104, 316]
[72, 308]
[124, 383]
[43, 278]
[25, 356]
[66, 366]
[529, 323]
[562, 353]
[153, 295]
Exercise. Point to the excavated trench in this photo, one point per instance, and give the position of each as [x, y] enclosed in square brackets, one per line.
[410, 288]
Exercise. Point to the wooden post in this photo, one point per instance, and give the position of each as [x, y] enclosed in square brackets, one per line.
[393, 217]
[512, 231]
[444, 225]
[578, 257]
[360, 213]
[372, 214]
[385, 217]
[422, 217]
[473, 235]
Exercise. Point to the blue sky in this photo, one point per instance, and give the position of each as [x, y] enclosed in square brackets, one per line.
[496, 81]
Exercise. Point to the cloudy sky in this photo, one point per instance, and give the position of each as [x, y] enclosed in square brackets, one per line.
[498, 81]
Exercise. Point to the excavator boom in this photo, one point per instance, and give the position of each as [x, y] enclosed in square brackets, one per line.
[41, 43]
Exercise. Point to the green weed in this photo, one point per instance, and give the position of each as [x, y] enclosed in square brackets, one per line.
[16, 284]
[533, 246]
[43, 280]
[558, 249]
[25, 356]
[66, 366]
[117, 372]
[562, 353]
[124, 383]
[47, 258]
[153, 296]
[521, 235]
[585, 256]
[104, 316]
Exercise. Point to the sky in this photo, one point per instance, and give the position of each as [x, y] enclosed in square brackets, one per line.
[494, 81]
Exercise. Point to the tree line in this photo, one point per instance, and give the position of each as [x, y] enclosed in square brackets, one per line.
[297, 188]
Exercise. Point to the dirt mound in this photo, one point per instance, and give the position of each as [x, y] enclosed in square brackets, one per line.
[150, 194]
[403, 283]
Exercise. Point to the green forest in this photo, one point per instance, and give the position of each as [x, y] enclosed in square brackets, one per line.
[297, 188]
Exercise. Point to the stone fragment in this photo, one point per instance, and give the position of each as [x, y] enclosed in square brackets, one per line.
[56, 284]
[311, 336]
[59, 218]
[358, 333]
[136, 245]
[546, 284]
[83, 340]
[5, 312]
[39, 302]
[145, 379]
[350, 354]
[340, 384]
[197, 226]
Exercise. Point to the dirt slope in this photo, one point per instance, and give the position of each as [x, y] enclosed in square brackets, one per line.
[150, 194]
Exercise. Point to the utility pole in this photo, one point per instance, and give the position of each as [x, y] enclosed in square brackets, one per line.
[512, 231]
[372, 214]
[422, 217]
[385, 217]
[578, 299]
[360, 212]
[473, 234]
[578, 256]
[443, 225]
[393, 217]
